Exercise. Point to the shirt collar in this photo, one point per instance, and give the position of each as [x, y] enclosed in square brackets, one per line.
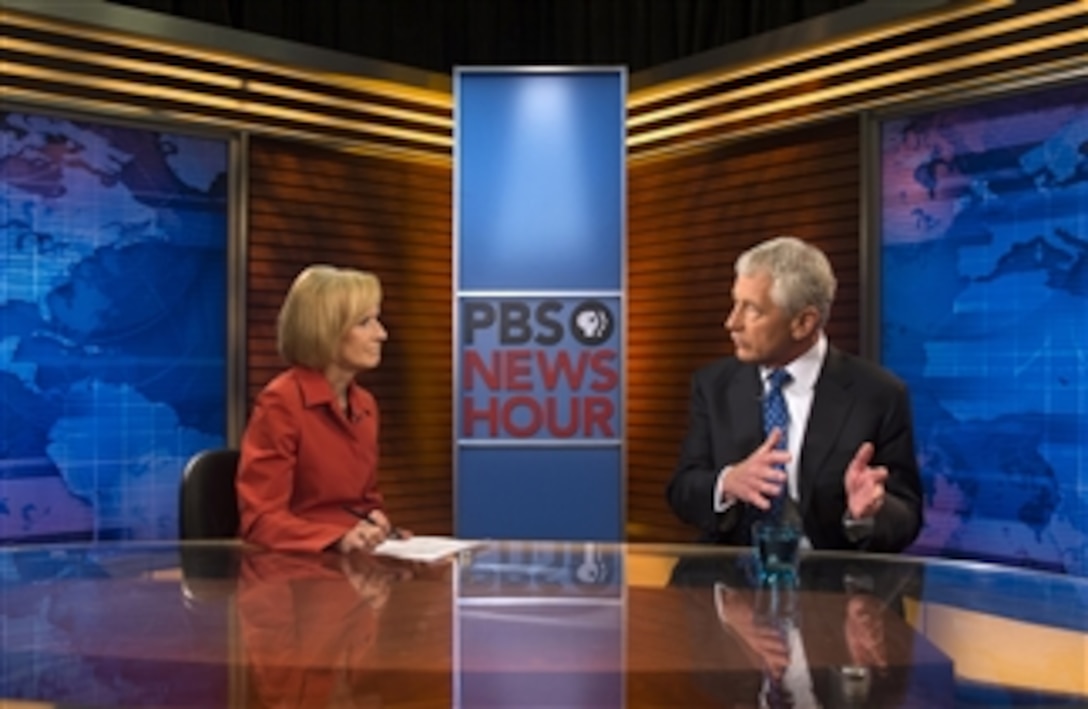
[315, 388]
[317, 391]
[805, 369]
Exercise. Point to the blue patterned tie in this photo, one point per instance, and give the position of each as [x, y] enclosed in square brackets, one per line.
[776, 415]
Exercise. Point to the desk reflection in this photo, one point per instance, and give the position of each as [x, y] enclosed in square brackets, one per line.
[530, 624]
[352, 631]
[308, 627]
[540, 624]
[837, 639]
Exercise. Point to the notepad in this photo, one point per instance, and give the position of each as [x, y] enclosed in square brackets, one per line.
[423, 548]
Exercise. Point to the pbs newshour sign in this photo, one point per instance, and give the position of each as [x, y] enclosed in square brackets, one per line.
[539, 279]
[539, 369]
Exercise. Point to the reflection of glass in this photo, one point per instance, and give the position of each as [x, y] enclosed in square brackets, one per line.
[776, 606]
[777, 551]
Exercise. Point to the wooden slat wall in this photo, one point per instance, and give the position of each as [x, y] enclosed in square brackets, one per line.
[689, 219]
[309, 205]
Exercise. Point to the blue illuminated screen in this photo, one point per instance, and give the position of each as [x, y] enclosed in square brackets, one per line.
[540, 161]
[984, 312]
[112, 324]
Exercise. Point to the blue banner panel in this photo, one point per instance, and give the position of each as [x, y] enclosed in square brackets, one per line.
[540, 159]
[526, 493]
[538, 280]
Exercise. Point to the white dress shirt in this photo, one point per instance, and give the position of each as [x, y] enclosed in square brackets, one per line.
[804, 371]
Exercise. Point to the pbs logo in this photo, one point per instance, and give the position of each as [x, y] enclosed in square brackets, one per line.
[545, 323]
[592, 323]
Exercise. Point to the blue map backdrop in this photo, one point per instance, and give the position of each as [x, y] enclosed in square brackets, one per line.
[112, 324]
[984, 312]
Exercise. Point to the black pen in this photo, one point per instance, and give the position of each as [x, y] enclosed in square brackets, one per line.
[393, 532]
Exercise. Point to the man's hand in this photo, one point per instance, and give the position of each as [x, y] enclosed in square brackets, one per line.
[758, 478]
[864, 631]
[766, 643]
[864, 484]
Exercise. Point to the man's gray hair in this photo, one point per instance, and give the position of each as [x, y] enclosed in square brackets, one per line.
[800, 274]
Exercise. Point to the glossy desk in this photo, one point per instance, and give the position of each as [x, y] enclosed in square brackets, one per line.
[530, 624]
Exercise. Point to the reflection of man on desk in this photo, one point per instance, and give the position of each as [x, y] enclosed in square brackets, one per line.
[773, 632]
[837, 640]
[308, 624]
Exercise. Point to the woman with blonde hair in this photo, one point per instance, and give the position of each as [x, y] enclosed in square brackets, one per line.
[308, 474]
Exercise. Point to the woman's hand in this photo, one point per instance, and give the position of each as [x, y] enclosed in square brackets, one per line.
[372, 579]
[364, 536]
[391, 532]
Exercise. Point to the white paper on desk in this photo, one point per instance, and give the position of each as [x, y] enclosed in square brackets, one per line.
[423, 548]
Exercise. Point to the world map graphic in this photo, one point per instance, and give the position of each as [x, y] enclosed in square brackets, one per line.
[984, 312]
[112, 324]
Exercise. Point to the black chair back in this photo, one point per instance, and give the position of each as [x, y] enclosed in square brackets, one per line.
[208, 501]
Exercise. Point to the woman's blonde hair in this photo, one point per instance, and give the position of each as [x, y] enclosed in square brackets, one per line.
[321, 305]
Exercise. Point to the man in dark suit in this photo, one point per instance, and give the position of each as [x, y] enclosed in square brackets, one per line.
[849, 470]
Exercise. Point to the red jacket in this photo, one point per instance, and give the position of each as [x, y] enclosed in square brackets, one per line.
[303, 461]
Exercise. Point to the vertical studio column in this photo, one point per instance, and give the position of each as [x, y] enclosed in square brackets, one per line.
[539, 277]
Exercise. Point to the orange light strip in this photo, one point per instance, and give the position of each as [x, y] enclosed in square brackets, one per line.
[858, 87]
[1072, 68]
[195, 118]
[434, 98]
[200, 99]
[843, 67]
[682, 86]
[224, 81]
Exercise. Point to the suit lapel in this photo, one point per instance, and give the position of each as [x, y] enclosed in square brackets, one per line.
[831, 404]
[745, 413]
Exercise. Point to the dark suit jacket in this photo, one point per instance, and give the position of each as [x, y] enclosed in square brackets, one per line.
[854, 401]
